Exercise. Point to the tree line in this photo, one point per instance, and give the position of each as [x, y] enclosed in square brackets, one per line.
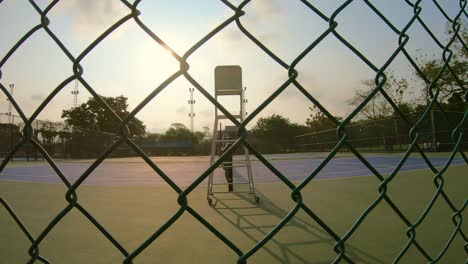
[278, 133]
[89, 128]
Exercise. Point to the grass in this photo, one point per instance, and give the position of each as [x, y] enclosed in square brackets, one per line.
[132, 213]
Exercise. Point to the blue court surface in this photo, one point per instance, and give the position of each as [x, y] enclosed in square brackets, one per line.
[184, 170]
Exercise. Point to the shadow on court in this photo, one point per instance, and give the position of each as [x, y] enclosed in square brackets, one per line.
[290, 245]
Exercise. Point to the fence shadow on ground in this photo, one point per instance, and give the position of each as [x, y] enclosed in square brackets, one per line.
[240, 210]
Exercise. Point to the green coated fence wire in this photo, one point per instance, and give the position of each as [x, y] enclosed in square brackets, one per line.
[292, 82]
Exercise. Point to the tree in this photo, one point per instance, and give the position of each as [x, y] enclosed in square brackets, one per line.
[450, 84]
[152, 137]
[455, 103]
[179, 132]
[64, 134]
[378, 107]
[207, 133]
[407, 108]
[93, 116]
[48, 132]
[277, 133]
[178, 126]
[463, 34]
[318, 121]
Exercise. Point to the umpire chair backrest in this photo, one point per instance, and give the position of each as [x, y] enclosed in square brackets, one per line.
[228, 80]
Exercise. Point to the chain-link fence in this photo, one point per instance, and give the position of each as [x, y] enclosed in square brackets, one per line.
[11, 127]
[63, 141]
[389, 134]
[26, 134]
[59, 140]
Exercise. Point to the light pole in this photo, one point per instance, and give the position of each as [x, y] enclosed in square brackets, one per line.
[75, 93]
[191, 103]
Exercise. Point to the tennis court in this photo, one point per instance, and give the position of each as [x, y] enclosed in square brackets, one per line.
[128, 190]
[184, 170]
[343, 92]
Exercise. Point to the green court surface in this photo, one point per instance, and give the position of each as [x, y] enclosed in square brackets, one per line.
[132, 213]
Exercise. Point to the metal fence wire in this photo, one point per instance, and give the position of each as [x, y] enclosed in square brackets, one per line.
[389, 134]
[291, 83]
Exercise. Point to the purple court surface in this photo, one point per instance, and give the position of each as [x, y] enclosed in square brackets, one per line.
[184, 171]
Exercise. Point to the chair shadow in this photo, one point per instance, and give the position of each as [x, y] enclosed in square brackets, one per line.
[242, 213]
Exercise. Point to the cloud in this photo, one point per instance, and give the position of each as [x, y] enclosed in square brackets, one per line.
[181, 109]
[90, 17]
[268, 8]
[265, 19]
[206, 113]
[233, 34]
[266, 13]
[37, 97]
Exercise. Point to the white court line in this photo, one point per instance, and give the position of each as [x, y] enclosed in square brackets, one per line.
[404, 166]
[366, 170]
[326, 173]
[347, 177]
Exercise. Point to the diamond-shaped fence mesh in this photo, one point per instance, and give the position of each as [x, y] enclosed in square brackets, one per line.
[29, 137]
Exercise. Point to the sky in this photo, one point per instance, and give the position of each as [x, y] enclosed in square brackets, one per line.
[132, 64]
